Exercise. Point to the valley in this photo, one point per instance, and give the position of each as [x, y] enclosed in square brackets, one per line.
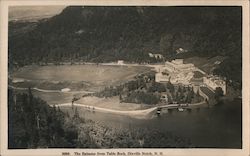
[125, 77]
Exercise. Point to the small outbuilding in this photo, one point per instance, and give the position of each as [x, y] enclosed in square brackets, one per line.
[120, 62]
[65, 90]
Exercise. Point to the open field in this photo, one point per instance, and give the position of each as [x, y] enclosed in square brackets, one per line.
[54, 98]
[51, 97]
[112, 102]
[51, 85]
[90, 77]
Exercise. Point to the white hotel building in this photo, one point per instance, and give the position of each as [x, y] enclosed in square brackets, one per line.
[178, 65]
[176, 72]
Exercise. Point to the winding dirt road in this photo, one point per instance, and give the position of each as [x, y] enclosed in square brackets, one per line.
[140, 114]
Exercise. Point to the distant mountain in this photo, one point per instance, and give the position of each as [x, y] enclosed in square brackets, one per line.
[32, 13]
[103, 34]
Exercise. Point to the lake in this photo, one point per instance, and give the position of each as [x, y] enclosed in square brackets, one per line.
[218, 126]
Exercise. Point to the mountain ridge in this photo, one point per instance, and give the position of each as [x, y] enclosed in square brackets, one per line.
[104, 34]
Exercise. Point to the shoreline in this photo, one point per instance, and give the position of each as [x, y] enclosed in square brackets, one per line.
[139, 114]
[51, 91]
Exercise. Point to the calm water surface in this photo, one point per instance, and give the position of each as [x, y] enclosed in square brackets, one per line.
[218, 126]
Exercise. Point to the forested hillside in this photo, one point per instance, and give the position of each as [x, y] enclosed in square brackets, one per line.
[33, 124]
[103, 34]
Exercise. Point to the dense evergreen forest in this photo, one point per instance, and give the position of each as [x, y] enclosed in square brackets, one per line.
[103, 34]
[33, 124]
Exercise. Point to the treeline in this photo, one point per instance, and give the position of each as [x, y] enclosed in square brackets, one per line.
[104, 34]
[231, 68]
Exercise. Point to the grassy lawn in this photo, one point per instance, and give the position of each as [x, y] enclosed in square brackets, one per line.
[89, 73]
[112, 103]
[54, 98]
[77, 77]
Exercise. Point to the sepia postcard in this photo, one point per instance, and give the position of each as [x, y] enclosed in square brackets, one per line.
[124, 78]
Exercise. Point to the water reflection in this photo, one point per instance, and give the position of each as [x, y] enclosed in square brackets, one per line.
[218, 126]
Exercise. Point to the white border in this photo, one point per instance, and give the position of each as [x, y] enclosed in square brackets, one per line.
[173, 152]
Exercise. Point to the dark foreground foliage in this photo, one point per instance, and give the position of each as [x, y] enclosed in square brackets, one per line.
[33, 124]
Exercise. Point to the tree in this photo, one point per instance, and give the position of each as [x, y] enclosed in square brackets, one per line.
[76, 114]
[170, 86]
[218, 93]
[167, 44]
[189, 97]
[179, 89]
[181, 93]
[198, 93]
[177, 97]
[192, 92]
[41, 126]
[120, 97]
